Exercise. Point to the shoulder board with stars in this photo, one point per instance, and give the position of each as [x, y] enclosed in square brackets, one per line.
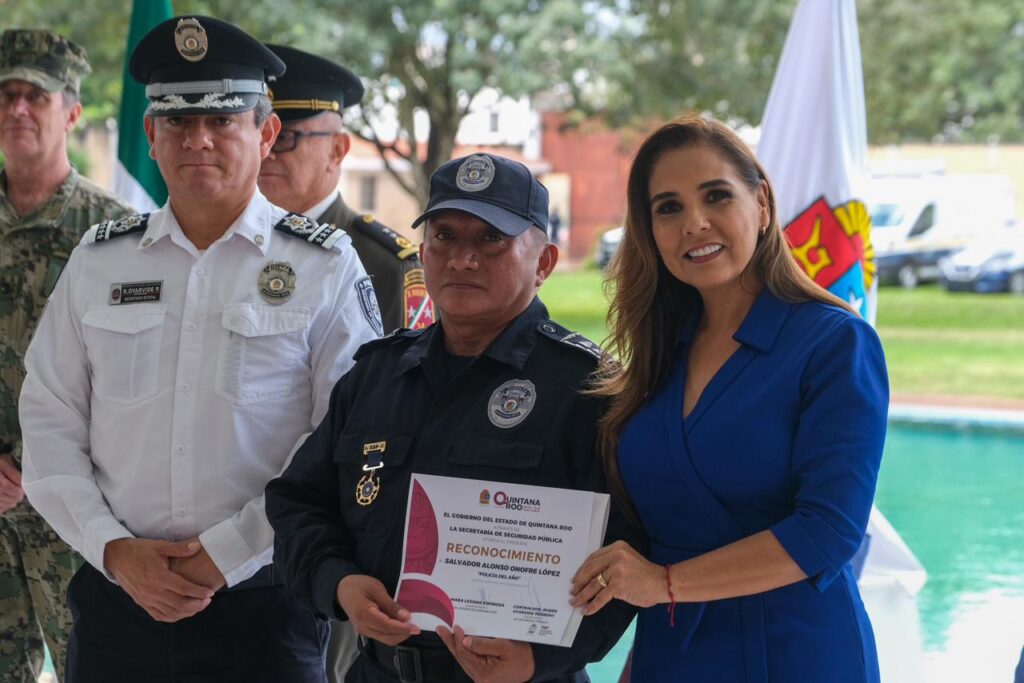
[386, 237]
[398, 335]
[108, 230]
[297, 225]
[562, 335]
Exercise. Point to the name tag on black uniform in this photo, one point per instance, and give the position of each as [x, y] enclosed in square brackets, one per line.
[135, 292]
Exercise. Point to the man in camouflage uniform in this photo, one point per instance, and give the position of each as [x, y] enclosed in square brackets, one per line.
[45, 208]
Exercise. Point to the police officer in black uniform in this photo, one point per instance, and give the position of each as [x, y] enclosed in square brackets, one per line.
[435, 399]
[302, 171]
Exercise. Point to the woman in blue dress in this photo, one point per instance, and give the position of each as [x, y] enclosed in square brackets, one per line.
[746, 428]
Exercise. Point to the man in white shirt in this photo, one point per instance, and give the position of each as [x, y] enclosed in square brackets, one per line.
[182, 357]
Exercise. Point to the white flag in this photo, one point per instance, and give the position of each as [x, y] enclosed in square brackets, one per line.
[814, 144]
[814, 147]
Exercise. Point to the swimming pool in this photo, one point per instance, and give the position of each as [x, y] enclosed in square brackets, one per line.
[955, 492]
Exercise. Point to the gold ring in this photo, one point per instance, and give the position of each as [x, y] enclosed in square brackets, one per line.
[601, 580]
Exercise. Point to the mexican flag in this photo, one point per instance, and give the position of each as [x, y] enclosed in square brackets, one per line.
[136, 177]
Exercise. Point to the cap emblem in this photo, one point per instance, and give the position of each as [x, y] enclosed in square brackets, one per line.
[475, 174]
[190, 39]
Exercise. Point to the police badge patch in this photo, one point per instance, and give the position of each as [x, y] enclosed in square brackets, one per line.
[511, 403]
[368, 302]
[276, 283]
[475, 174]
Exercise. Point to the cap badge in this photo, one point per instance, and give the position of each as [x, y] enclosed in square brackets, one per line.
[190, 39]
[511, 403]
[475, 174]
[276, 283]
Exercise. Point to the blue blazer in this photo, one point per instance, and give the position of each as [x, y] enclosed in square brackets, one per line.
[787, 436]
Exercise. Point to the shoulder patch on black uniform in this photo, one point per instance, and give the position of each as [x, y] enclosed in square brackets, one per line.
[398, 335]
[562, 335]
[304, 227]
[386, 237]
[108, 230]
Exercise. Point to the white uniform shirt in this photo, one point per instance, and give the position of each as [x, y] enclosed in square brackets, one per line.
[166, 419]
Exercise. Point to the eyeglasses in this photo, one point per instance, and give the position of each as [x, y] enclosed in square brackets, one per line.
[288, 139]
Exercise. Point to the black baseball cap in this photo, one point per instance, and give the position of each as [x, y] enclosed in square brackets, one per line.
[202, 65]
[498, 191]
[311, 84]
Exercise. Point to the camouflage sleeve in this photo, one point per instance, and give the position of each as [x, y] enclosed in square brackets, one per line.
[55, 409]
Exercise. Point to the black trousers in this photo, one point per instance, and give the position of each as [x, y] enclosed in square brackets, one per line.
[259, 635]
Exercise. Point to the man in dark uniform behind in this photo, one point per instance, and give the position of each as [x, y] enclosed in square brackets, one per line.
[433, 398]
[302, 171]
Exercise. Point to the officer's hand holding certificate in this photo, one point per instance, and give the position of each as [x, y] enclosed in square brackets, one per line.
[497, 559]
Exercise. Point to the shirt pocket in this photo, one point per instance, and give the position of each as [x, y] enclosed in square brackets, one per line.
[123, 345]
[262, 351]
[386, 514]
[483, 454]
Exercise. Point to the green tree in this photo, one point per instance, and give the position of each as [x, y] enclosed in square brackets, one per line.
[945, 69]
[425, 61]
[422, 60]
[949, 70]
[703, 55]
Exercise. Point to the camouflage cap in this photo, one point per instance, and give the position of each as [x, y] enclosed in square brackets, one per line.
[42, 58]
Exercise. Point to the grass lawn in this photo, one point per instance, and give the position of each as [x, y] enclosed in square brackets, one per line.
[936, 343]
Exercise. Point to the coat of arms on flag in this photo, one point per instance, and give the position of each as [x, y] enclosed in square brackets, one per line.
[833, 246]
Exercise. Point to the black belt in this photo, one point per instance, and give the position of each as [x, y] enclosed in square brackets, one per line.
[264, 578]
[412, 664]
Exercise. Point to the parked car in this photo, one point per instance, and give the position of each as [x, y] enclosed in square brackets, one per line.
[917, 222]
[991, 266]
[607, 245]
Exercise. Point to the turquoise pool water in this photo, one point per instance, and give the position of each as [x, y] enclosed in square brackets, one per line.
[956, 495]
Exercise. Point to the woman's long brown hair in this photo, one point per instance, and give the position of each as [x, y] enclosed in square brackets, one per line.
[648, 303]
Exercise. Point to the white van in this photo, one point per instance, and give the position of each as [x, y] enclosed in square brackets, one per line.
[916, 221]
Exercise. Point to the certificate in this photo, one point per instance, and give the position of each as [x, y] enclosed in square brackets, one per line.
[497, 558]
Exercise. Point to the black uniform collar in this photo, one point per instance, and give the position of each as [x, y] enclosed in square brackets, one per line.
[512, 347]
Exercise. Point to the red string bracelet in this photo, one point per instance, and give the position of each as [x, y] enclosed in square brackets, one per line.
[671, 598]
